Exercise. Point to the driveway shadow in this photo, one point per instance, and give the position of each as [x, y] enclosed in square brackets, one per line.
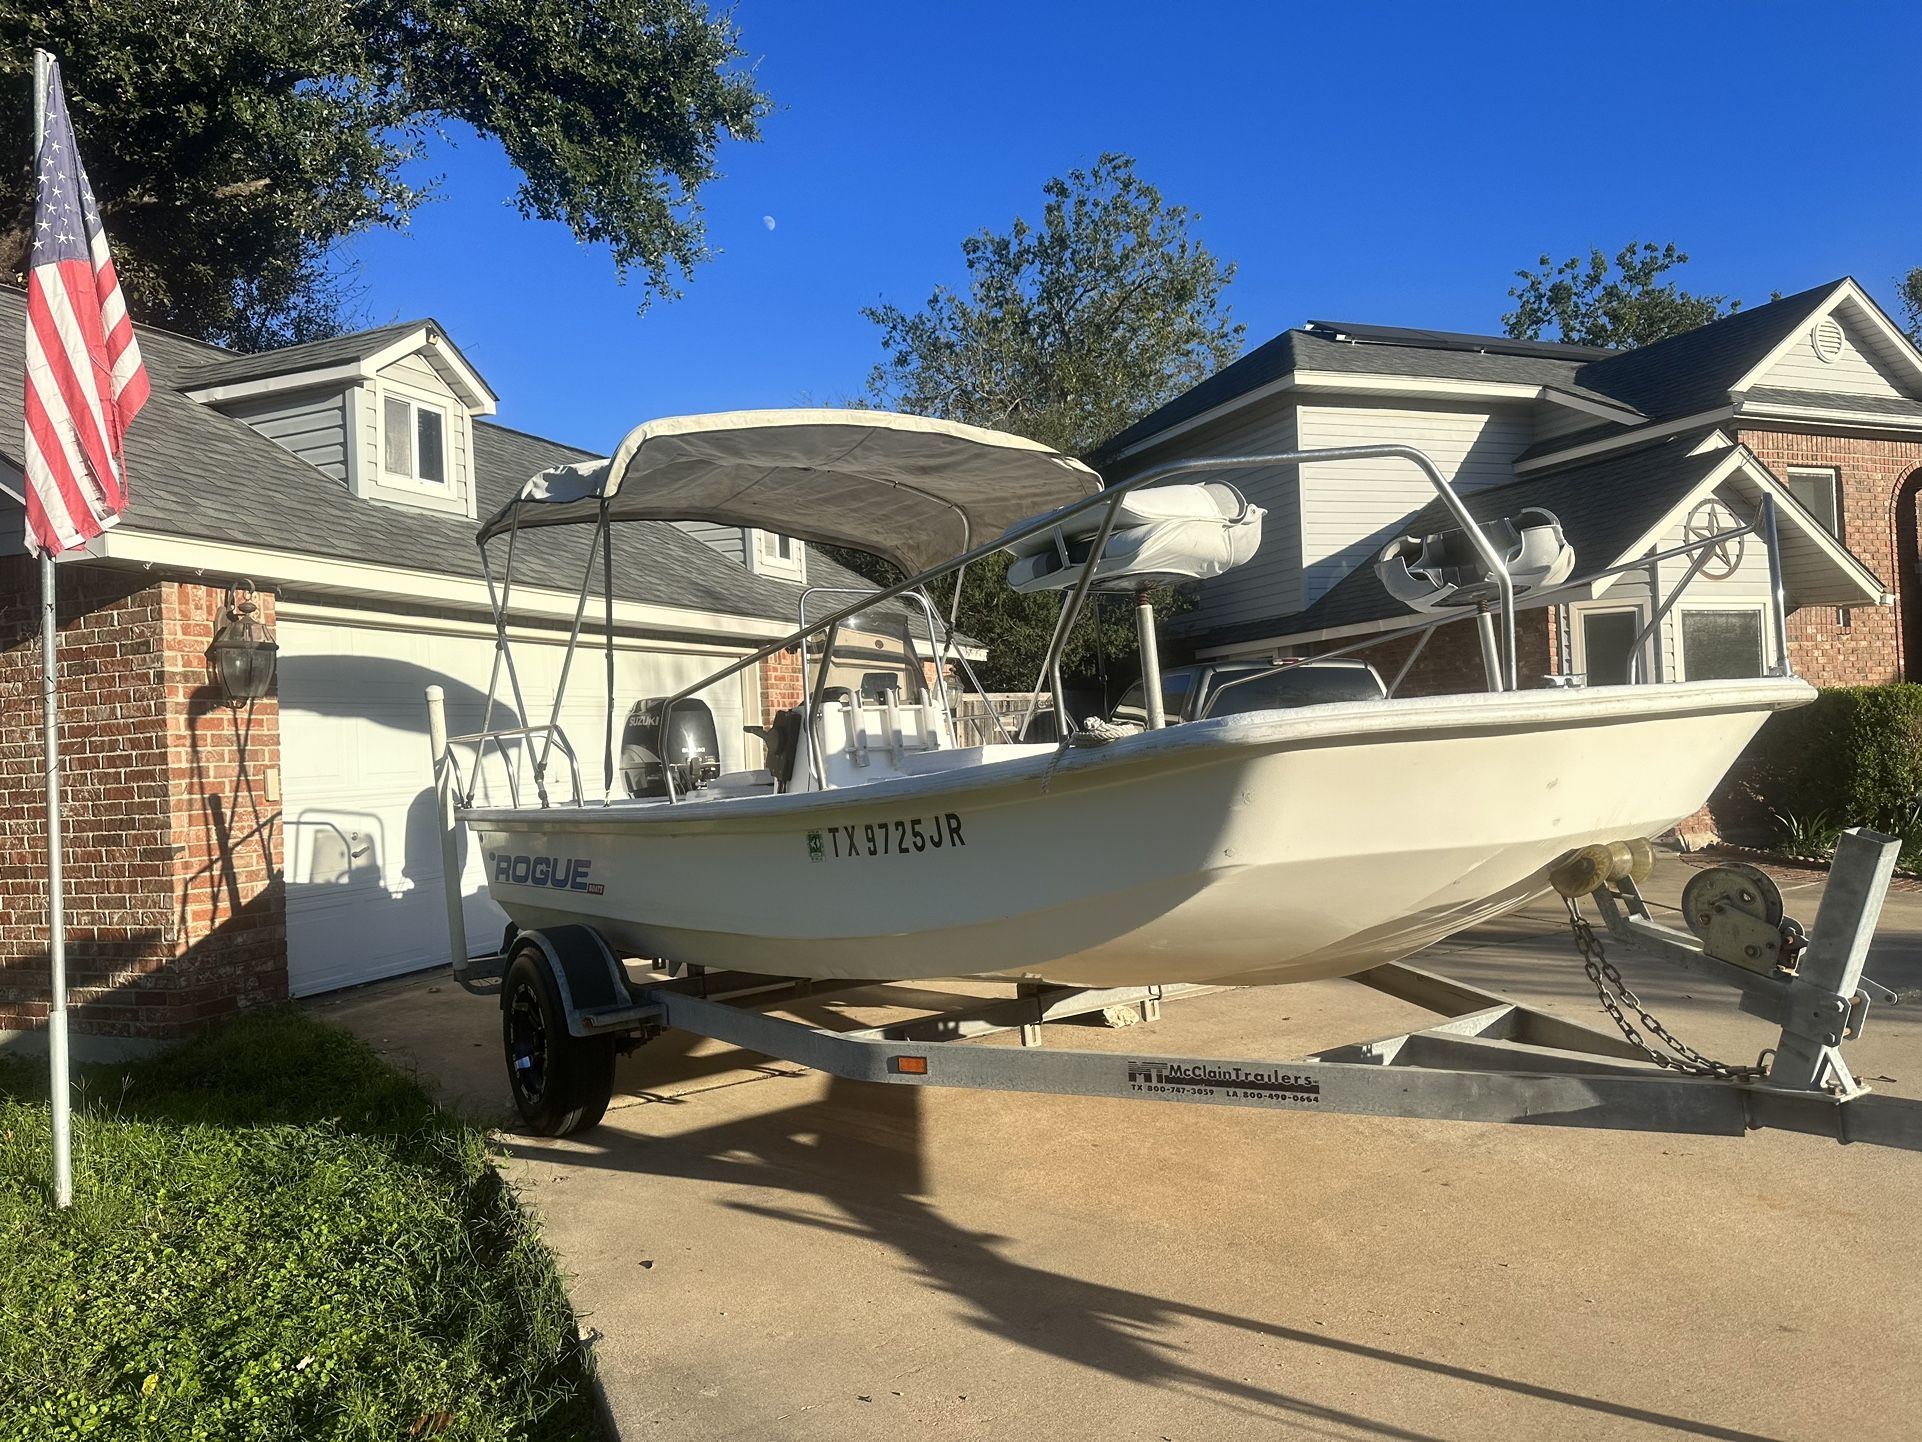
[860, 1149]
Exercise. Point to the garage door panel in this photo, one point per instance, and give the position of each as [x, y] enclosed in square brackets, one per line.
[363, 863]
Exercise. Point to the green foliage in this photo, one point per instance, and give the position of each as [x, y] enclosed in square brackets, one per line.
[275, 1236]
[1853, 757]
[1069, 331]
[1584, 304]
[231, 145]
[1910, 291]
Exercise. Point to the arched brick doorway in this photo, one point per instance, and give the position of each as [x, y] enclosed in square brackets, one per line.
[1908, 573]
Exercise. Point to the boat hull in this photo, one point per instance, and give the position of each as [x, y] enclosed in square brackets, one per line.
[1275, 847]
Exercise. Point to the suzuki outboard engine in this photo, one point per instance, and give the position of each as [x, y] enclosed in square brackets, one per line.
[656, 739]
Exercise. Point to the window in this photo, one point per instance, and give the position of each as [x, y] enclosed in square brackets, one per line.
[1724, 644]
[1818, 489]
[413, 441]
[772, 555]
[1607, 638]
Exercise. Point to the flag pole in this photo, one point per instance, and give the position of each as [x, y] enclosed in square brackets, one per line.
[56, 879]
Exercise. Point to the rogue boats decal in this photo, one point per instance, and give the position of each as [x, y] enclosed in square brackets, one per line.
[563, 873]
[899, 836]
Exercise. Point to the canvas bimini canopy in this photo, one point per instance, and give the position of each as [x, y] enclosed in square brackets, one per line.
[914, 491]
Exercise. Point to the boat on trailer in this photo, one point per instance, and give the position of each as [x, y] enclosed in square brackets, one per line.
[1249, 847]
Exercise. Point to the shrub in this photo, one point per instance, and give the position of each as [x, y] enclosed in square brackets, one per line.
[1853, 757]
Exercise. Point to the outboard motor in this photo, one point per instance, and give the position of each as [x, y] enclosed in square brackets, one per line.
[687, 742]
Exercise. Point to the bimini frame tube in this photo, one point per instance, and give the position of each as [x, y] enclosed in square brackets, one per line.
[1105, 497]
[1108, 497]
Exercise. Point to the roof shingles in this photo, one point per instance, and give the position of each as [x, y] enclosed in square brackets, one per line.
[201, 475]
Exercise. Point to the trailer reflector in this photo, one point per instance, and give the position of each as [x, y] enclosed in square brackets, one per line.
[908, 1065]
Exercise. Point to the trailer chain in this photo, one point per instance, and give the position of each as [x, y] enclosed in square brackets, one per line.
[1613, 992]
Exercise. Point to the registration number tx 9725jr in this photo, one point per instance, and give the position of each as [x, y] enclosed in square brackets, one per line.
[898, 836]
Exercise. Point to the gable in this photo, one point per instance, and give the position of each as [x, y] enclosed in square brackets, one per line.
[1838, 353]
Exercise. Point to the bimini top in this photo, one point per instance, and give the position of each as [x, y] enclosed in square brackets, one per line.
[915, 491]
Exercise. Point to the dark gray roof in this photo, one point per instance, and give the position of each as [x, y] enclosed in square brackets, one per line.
[1681, 376]
[1300, 350]
[312, 355]
[1606, 431]
[1695, 371]
[1899, 407]
[200, 475]
[1604, 506]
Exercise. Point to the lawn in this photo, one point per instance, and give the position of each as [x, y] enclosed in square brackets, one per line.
[274, 1235]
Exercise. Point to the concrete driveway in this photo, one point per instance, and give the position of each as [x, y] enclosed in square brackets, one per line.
[772, 1254]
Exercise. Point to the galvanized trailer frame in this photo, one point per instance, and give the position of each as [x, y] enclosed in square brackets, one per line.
[1488, 1059]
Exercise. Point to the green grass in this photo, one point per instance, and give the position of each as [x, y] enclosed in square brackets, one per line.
[274, 1235]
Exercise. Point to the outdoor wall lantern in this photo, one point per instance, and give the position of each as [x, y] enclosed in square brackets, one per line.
[241, 656]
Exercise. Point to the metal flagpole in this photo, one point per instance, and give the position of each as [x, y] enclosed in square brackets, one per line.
[50, 715]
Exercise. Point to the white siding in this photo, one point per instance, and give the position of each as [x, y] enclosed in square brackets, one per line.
[1856, 371]
[1350, 509]
[311, 424]
[725, 539]
[1269, 585]
[1748, 585]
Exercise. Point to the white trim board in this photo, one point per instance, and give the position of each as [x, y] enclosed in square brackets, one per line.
[394, 583]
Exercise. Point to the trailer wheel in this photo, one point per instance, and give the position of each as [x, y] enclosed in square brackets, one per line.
[561, 1083]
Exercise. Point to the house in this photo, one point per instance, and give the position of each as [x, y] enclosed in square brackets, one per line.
[1814, 400]
[221, 855]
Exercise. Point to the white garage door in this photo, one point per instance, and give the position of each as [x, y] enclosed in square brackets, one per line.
[363, 857]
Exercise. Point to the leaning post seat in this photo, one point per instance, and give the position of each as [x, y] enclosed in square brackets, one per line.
[1442, 572]
[1166, 533]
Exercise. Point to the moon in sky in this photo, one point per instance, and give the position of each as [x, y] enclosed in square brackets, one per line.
[768, 221]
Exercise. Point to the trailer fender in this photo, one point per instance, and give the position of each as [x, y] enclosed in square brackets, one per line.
[586, 971]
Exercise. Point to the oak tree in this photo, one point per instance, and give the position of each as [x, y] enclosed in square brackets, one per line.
[232, 145]
[1621, 303]
[1068, 329]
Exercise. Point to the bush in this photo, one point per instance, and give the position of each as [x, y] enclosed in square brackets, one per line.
[1853, 757]
[274, 1235]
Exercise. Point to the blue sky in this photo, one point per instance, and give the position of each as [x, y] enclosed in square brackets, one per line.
[1384, 163]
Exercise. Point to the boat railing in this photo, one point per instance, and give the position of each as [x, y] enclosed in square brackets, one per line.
[551, 736]
[1496, 626]
[1700, 550]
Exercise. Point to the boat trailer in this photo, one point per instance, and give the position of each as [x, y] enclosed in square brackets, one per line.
[569, 1004]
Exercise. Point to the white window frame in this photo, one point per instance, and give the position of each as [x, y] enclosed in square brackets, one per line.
[1684, 607]
[1578, 639]
[763, 560]
[1831, 474]
[415, 403]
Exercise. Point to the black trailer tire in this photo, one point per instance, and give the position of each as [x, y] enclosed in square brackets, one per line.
[561, 1083]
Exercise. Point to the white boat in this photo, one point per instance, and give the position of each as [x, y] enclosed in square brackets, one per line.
[1259, 847]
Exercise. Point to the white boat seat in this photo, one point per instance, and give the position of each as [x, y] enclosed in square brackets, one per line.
[1167, 533]
[1442, 572]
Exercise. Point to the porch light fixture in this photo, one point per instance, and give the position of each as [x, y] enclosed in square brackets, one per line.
[241, 655]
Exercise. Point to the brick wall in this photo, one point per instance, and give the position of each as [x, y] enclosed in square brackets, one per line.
[174, 910]
[1867, 647]
[780, 684]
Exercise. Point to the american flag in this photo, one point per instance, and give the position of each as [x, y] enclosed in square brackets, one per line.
[84, 377]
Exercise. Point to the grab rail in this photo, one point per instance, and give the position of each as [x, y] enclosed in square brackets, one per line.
[1110, 497]
[553, 737]
[1762, 526]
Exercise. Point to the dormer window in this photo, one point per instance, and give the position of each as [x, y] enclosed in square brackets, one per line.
[414, 440]
[772, 555]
